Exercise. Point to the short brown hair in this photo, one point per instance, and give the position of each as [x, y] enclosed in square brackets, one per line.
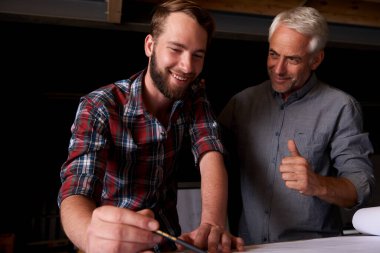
[202, 16]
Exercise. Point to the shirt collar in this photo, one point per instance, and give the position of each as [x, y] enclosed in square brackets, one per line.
[133, 87]
[298, 94]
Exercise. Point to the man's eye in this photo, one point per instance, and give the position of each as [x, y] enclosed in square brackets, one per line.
[273, 55]
[294, 60]
[199, 56]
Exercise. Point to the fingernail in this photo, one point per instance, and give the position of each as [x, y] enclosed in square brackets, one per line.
[152, 225]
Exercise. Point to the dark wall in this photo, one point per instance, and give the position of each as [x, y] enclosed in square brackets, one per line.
[47, 67]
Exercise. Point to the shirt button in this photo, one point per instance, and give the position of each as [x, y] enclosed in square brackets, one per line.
[265, 239]
[266, 211]
[277, 133]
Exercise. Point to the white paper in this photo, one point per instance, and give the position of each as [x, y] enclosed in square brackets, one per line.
[340, 244]
[367, 220]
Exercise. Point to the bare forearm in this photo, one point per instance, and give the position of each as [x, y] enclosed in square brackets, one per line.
[214, 189]
[76, 214]
[338, 191]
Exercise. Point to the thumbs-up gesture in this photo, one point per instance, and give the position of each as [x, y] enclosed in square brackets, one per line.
[297, 173]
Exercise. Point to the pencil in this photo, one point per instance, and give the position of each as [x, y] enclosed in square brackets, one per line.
[181, 242]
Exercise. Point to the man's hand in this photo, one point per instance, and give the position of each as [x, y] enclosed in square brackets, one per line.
[297, 173]
[114, 229]
[213, 238]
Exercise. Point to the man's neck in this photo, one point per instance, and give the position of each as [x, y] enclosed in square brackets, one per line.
[155, 102]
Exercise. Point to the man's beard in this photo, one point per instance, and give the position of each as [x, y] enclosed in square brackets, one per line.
[160, 83]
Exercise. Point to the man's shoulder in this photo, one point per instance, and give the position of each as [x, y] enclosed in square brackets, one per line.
[115, 93]
[255, 90]
[107, 94]
[336, 94]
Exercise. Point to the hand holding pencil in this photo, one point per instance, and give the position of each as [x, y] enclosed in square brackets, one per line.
[181, 242]
[212, 237]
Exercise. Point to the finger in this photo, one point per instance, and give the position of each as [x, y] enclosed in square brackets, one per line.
[137, 247]
[147, 212]
[291, 184]
[293, 148]
[124, 233]
[214, 238]
[238, 243]
[202, 234]
[185, 237]
[104, 245]
[226, 242]
[125, 216]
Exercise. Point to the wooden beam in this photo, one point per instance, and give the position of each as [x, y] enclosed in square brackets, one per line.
[257, 7]
[354, 12]
[363, 13]
[114, 11]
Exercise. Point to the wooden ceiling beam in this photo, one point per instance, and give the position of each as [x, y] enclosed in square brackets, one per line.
[362, 13]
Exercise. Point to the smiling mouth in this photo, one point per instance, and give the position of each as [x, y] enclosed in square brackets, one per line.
[180, 77]
[280, 79]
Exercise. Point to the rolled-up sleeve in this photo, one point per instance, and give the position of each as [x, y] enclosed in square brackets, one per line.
[351, 151]
[204, 130]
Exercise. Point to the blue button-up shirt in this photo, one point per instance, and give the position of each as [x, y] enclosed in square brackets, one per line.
[326, 125]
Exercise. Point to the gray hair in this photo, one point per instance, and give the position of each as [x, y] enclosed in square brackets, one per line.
[307, 21]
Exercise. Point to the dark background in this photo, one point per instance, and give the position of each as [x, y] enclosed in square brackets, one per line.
[46, 68]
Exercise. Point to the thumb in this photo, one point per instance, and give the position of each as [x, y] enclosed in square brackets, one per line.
[146, 212]
[293, 148]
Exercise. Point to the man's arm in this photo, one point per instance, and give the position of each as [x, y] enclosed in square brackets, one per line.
[76, 214]
[214, 190]
[107, 228]
[338, 191]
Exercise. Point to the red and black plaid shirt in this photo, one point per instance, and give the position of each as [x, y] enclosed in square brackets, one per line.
[120, 155]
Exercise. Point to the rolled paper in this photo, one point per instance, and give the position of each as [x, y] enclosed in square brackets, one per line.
[367, 220]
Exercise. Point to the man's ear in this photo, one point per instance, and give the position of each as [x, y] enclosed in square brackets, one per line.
[317, 59]
[148, 46]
